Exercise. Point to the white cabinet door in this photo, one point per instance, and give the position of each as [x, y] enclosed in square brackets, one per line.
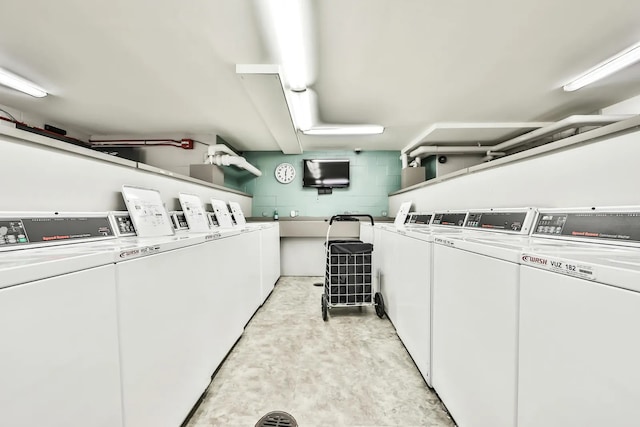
[475, 321]
[59, 363]
[413, 295]
[162, 306]
[579, 353]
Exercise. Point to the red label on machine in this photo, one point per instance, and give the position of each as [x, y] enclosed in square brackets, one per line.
[561, 266]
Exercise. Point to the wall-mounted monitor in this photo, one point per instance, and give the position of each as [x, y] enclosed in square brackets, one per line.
[325, 173]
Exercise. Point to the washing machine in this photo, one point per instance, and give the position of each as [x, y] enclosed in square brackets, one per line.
[579, 311]
[269, 248]
[59, 358]
[179, 312]
[163, 306]
[405, 278]
[475, 317]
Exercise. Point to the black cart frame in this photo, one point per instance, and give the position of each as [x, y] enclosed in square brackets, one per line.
[348, 280]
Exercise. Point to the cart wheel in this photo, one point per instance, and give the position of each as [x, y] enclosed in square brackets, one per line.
[379, 303]
[325, 309]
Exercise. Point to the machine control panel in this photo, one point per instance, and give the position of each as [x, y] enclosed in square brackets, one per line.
[452, 219]
[213, 222]
[12, 232]
[511, 221]
[422, 219]
[179, 221]
[16, 232]
[615, 226]
[124, 225]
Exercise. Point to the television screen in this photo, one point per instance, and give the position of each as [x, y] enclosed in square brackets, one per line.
[329, 173]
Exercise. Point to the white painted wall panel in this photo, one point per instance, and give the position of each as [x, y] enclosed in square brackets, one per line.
[302, 256]
[40, 178]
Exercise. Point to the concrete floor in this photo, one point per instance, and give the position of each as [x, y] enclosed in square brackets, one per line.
[350, 371]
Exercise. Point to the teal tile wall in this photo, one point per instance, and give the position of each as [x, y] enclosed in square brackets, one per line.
[231, 181]
[374, 175]
[430, 166]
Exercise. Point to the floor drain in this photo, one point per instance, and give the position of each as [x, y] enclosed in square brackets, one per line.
[277, 419]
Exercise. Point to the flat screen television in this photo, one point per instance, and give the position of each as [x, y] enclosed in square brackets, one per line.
[325, 173]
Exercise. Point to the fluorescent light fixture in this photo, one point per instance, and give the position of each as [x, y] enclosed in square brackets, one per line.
[606, 68]
[18, 83]
[287, 24]
[345, 130]
[301, 109]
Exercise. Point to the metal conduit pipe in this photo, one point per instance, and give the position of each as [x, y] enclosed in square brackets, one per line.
[498, 150]
[564, 124]
[437, 149]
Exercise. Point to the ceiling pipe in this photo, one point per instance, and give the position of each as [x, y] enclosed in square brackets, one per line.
[228, 160]
[220, 148]
[554, 128]
[499, 150]
[438, 149]
[185, 143]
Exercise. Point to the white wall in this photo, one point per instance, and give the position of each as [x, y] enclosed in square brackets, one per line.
[602, 173]
[35, 177]
[175, 159]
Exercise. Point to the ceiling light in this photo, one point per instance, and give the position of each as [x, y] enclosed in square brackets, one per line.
[345, 130]
[606, 68]
[18, 83]
[287, 23]
[301, 109]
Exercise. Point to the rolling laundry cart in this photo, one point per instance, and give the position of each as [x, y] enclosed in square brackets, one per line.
[348, 278]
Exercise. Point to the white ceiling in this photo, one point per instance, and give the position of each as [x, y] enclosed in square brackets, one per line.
[149, 67]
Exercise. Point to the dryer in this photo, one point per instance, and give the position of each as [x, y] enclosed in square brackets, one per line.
[59, 359]
[579, 311]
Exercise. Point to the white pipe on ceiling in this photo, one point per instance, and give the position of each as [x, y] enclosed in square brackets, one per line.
[498, 150]
[228, 160]
[439, 149]
[566, 123]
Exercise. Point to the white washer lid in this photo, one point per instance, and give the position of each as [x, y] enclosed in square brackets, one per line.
[612, 266]
[29, 265]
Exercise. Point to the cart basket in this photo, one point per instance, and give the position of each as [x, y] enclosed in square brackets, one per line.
[354, 247]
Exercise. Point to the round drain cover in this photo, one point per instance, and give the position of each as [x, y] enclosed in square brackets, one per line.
[277, 419]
